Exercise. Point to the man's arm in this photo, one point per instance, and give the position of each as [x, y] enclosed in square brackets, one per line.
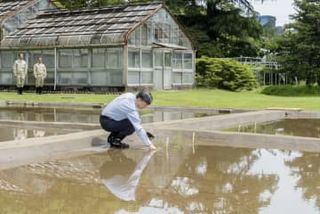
[135, 120]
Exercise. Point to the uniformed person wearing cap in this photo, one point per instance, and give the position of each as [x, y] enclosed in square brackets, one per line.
[40, 74]
[122, 119]
[20, 70]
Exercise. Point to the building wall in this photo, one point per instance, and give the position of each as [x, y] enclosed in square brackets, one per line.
[268, 20]
[70, 67]
[149, 64]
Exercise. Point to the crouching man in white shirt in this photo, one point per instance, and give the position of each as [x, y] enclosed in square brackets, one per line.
[122, 119]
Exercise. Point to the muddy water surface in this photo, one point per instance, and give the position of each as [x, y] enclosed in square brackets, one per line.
[21, 133]
[179, 178]
[85, 115]
[293, 127]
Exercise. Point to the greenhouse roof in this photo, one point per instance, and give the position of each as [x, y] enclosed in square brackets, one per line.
[63, 28]
[7, 8]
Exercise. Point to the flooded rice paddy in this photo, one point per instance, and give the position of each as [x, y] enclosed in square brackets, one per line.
[176, 179]
[292, 127]
[86, 115]
[181, 177]
[8, 133]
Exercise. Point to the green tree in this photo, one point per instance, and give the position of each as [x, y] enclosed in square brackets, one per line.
[299, 47]
[218, 27]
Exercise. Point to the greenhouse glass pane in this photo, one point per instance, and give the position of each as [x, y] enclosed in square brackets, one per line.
[48, 58]
[99, 78]
[147, 77]
[133, 77]
[65, 58]
[134, 59]
[80, 59]
[80, 78]
[64, 78]
[177, 78]
[187, 62]
[7, 59]
[147, 60]
[177, 60]
[114, 58]
[98, 57]
[187, 78]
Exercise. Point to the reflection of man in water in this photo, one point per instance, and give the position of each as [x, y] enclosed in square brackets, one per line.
[39, 133]
[20, 134]
[40, 118]
[122, 175]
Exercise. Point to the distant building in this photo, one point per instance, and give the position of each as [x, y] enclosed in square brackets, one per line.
[279, 30]
[268, 21]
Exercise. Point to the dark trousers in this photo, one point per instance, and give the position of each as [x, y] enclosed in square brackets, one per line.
[119, 129]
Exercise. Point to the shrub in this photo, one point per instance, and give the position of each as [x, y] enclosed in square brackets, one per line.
[291, 90]
[224, 74]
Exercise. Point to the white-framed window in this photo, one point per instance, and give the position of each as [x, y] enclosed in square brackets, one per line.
[98, 58]
[168, 59]
[146, 77]
[140, 67]
[80, 58]
[48, 58]
[114, 58]
[134, 58]
[110, 58]
[158, 59]
[183, 68]
[73, 58]
[7, 59]
[65, 58]
[147, 59]
[177, 60]
[187, 61]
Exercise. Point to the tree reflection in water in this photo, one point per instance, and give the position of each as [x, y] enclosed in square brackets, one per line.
[306, 168]
[217, 179]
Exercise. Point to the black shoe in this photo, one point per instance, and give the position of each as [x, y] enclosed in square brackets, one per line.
[110, 138]
[116, 143]
[20, 91]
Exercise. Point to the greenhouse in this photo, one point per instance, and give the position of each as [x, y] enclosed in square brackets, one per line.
[115, 47]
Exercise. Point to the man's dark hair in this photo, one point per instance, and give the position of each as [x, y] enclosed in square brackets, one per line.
[145, 96]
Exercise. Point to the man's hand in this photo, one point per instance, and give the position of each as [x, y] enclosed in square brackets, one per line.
[152, 147]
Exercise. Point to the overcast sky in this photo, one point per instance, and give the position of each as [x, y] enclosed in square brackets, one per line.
[281, 9]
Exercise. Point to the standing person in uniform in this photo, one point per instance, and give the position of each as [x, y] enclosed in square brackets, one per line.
[20, 70]
[40, 73]
[121, 118]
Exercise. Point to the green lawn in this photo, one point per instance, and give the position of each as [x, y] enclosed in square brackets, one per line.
[197, 97]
